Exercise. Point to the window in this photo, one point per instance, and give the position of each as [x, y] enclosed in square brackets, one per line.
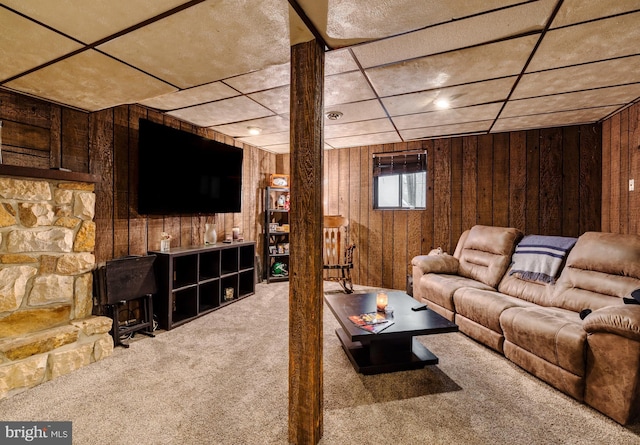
[400, 180]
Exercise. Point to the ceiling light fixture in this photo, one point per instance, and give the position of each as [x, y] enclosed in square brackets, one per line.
[442, 104]
[333, 115]
[254, 130]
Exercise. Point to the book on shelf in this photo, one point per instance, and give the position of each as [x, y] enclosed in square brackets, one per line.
[374, 322]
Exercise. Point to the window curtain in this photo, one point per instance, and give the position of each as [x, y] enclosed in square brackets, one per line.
[385, 164]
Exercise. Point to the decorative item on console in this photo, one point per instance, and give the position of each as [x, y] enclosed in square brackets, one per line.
[165, 242]
[210, 234]
[381, 301]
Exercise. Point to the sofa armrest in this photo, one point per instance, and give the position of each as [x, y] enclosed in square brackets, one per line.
[443, 263]
[623, 320]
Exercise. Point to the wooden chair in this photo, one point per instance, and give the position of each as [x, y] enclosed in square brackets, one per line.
[337, 251]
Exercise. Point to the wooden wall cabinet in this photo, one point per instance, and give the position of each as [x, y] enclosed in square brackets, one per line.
[193, 281]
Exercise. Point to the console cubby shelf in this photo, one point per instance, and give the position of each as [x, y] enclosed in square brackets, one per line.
[195, 280]
[276, 242]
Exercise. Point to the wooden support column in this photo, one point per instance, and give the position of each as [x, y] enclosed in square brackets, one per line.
[305, 259]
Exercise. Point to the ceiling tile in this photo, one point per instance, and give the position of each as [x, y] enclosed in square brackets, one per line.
[572, 101]
[277, 148]
[358, 128]
[576, 11]
[589, 42]
[456, 34]
[208, 42]
[339, 61]
[271, 124]
[458, 67]
[357, 111]
[91, 21]
[460, 96]
[28, 45]
[192, 96]
[444, 117]
[445, 130]
[267, 139]
[263, 79]
[345, 22]
[552, 119]
[368, 139]
[222, 112]
[345, 88]
[276, 99]
[592, 75]
[90, 81]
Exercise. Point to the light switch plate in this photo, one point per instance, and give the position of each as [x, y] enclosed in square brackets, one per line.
[632, 185]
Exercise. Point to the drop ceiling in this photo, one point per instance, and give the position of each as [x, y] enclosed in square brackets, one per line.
[502, 65]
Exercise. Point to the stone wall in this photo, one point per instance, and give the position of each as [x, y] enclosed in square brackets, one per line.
[47, 241]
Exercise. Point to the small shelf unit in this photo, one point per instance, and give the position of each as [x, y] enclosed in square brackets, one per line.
[276, 242]
[196, 280]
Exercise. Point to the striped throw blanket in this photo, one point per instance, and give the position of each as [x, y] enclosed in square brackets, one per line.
[539, 258]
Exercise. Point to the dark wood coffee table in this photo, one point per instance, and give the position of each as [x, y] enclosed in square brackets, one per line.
[395, 348]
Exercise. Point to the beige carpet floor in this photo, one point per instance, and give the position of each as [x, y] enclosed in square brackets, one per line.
[222, 379]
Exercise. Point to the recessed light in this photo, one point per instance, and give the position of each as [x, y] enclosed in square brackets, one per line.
[442, 104]
[333, 115]
[254, 130]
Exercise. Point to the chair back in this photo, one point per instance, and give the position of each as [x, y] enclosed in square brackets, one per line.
[335, 239]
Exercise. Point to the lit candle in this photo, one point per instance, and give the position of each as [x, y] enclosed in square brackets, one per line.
[381, 301]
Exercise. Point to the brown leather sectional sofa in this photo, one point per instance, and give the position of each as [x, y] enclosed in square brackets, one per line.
[537, 325]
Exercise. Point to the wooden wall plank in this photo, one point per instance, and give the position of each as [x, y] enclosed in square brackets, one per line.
[456, 194]
[442, 193]
[374, 239]
[517, 179]
[365, 211]
[591, 178]
[343, 183]
[485, 180]
[500, 194]
[354, 207]
[427, 221]
[55, 138]
[624, 172]
[571, 181]
[551, 181]
[469, 182]
[75, 140]
[533, 183]
[614, 218]
[101, 126]
[606, 176]
[634, 168]
[121, 181]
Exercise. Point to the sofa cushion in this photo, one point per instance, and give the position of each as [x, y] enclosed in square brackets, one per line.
[486, 253]
[601, 269]
[553, 334]
[531, 291]
[484, 307]
[439, 288]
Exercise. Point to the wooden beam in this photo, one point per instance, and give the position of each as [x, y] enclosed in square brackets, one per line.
[305, 260]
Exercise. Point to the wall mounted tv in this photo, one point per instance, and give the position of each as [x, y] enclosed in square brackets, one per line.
[183, 173]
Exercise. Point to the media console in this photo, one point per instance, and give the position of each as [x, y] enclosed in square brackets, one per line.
[196, 280]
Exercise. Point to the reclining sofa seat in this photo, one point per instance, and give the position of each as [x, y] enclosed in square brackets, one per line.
[481, 258]
[596, 360]
[538, 326]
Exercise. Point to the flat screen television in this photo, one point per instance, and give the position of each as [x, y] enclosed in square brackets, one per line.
[183, 173]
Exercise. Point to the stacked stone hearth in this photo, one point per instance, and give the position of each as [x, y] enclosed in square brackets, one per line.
[47, 239]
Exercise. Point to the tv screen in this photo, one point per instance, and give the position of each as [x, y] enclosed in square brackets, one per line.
[183, 173]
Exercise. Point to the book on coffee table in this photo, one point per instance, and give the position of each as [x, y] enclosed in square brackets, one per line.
[371, 321]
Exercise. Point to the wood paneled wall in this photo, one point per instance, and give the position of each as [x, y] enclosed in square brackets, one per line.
[44, 135]
[620, 163]
[540, 181]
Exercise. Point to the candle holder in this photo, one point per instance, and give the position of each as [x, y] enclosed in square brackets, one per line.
[381, 301]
